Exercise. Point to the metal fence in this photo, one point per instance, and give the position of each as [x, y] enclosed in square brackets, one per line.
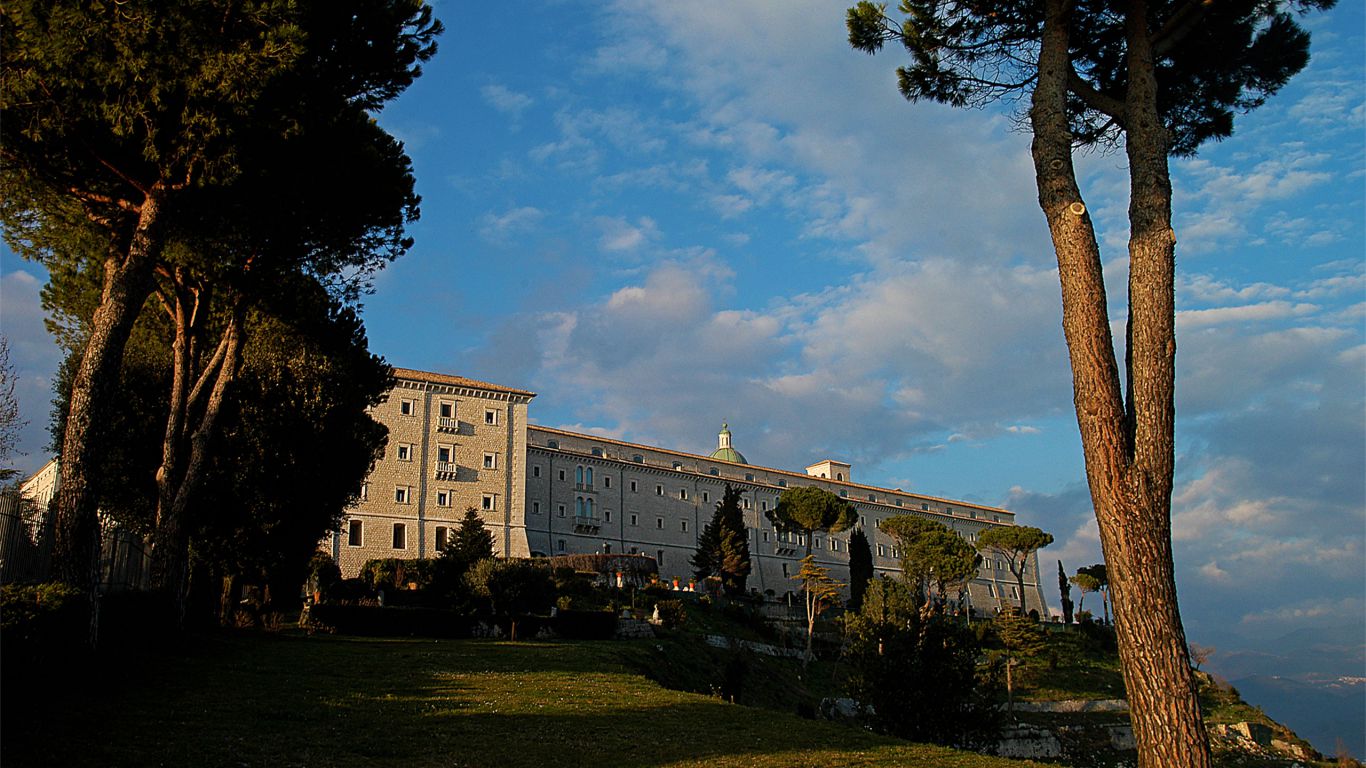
[26, 536]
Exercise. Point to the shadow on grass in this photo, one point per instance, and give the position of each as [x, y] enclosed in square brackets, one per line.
[296, 701]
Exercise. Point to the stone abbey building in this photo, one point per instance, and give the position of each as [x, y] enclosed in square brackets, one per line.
[456, 443]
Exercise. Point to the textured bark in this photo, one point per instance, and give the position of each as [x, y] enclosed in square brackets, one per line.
[1128, 447]
[170, 541]
[127, 283]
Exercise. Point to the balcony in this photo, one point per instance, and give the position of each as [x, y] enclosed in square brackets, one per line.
[447, 424]
[584, 487]
[446, 470]
[586, 524]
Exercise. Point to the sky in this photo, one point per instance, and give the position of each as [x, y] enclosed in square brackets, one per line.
[662, 216]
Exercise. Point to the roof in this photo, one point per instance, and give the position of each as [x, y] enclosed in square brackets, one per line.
[788, 473]
[457, 381]
[728, 454]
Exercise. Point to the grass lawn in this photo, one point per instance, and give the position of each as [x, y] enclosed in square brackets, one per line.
[292, 700]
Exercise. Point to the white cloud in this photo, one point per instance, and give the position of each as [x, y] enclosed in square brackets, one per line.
[621, 236]
[499, 228]
[506, 100]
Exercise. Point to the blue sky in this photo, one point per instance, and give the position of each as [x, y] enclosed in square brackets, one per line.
[662, 215]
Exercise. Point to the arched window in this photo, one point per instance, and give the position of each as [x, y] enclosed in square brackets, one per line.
[578, 475]
[589, 502]
[588, 476]
[839, 475]
[578, 507]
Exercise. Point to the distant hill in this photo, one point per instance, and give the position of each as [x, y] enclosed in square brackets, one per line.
[1319, 711]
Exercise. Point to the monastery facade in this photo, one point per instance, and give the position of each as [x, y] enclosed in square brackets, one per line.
[456, 443]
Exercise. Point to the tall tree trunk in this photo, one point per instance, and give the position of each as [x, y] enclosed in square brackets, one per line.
[170, 549]
[1128, 452]
[127, 283]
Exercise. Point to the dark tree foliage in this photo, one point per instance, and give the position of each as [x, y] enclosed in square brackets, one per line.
[807, 509]
[1065, 593]
[917, 671]
[512, 588]
[723, 545]
[472, 541]
[860, 568]
[173, 147]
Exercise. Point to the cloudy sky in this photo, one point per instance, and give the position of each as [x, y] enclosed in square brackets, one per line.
[662, 215]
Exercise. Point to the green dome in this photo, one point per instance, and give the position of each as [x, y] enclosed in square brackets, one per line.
[723, 451]
[728, 454]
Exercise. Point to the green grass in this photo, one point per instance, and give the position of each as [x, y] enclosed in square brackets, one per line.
[293, 700]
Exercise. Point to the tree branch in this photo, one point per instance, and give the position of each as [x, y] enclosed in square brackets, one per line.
[1106, 105]
[1186, 18]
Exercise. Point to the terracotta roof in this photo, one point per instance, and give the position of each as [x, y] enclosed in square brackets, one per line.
[457, 381]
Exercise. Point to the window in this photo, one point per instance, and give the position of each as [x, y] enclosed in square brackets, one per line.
[991, 590]
[782, 483]
[407, 407]
[559, 545]
[785, 570]
[706, 497]
[872, 497]
[607, 515]
[597, 451]
[401, 494]
[535, 507]
[683, 525]
[749, 476]
[490, 417]
[606, 481]
[763, 506]
[445, 454]
[536, 471]
[637, 458]
[560, 513]
[578, 475]
[818, 543]
[713, 471]
[635, 551]
[634, 518]
[633, 486]
[659, 490]
[765, 537]
[881, 551]
[405, 452]
[745, 502]
[1014, 593]
[948, 510]
[659, 523]
[446, 409]
[441, 538]
[925, 507]
[562, 474]
[443, 498]
[553, 444]
[898, 502]
[683, 494]
[364, 491]
[839, 476]
[844, 494]
[490, 501]
[834, 545]
[490, 461]
[400, 536]
[659, 557]
[354, 532]
[588, 477]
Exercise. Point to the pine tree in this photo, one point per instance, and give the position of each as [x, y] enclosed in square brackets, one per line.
[860, 568]
[472, 541]
[723, 546]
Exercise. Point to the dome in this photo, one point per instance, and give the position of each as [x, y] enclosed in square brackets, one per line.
[723, 450]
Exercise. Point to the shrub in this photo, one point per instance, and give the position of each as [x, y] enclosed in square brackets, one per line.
[586, 625]
[393, 573]
[671, 613]
[323, 575]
